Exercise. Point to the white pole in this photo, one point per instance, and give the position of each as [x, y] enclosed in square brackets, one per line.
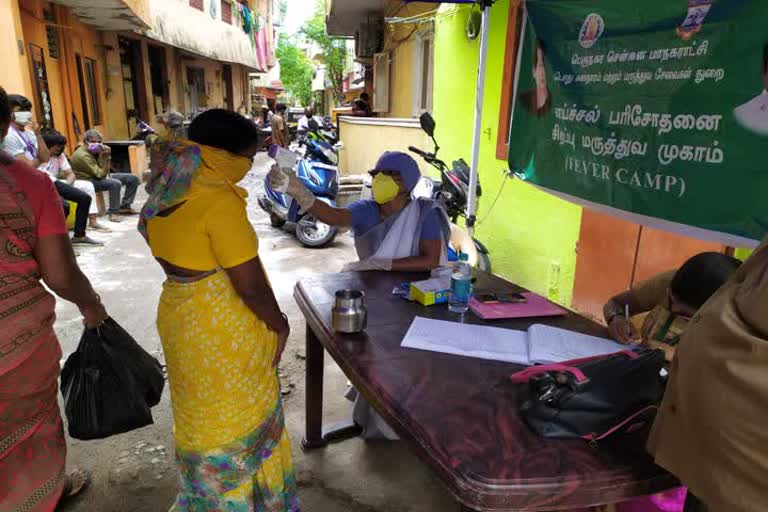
[473, 174]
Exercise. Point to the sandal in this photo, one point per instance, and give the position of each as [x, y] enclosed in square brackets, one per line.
[74, 484]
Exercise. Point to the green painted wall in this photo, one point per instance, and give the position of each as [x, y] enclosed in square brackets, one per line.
[531, 235]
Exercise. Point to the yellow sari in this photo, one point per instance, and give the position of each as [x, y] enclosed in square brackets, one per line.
[231, 445]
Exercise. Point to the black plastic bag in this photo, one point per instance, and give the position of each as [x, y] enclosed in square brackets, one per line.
[106, 384]
[147, 371]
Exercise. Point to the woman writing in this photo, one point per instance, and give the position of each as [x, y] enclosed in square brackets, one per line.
[392, 232]
[220, 325]
[34, 244]
[669, 300]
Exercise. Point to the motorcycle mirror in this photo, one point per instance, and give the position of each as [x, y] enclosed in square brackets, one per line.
[427, 123]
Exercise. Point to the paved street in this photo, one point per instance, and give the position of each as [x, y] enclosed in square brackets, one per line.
[136, 471]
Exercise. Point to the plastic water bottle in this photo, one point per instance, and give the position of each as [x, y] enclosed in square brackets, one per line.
[461, 286]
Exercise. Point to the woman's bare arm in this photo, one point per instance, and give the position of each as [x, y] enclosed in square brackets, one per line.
[251, 284]
[62, 274]
[428, 258]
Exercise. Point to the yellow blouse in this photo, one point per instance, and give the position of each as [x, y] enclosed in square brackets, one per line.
[206, 232]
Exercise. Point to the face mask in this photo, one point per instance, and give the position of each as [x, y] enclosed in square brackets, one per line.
[385, 188]
[235, 169]
[94, 147]
[22, 118]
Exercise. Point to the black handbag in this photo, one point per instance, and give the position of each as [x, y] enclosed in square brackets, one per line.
[594, 398]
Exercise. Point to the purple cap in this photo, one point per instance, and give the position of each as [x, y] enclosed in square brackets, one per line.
[401, 163]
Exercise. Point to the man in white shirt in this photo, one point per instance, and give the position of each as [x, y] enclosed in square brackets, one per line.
[24, 141]
[304, 120]
[61, 173]
[753, 115]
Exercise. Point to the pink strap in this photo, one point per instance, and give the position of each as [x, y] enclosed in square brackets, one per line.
[525, 375]
[595, 437]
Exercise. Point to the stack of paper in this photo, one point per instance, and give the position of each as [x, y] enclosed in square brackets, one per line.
[541, 344]
[547, 345]
[468, 340]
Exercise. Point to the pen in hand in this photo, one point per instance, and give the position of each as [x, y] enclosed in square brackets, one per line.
[628, 324]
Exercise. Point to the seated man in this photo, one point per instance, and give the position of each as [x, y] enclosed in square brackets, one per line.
[392, 232]
[670, 301]
[91, 161]
[361, 107]
[58, 169]
[303, 123]
[24, 141]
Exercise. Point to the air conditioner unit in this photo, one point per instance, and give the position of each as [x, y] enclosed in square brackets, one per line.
[369, 39]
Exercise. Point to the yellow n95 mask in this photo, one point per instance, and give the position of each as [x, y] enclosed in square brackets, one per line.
[385, 188]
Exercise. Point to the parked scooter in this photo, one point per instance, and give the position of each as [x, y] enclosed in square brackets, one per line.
[318, 170]
[452, 189]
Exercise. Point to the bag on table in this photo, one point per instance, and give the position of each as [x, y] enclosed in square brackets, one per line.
[594, 398]
[106, 384]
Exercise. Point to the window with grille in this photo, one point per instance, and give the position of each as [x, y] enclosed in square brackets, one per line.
[51, 33]
[226, 11]
[92, 91]
[423, 74]
[197, 4]
[381, 77]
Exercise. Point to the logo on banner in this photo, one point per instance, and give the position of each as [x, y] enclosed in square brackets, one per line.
[694, 19]
[591, 30]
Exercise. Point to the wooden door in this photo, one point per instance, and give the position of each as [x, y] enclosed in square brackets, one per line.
[605, 261]
[229, 100]
[614, 254]
[660, 251]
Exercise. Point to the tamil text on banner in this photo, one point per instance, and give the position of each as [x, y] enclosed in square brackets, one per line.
[655, 111]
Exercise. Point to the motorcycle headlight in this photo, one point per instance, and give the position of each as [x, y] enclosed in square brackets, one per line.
[331, 156]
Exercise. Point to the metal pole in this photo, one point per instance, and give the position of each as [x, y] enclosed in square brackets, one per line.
[480, 94]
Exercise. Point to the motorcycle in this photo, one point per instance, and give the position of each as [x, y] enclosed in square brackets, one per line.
[318, 171]
[325, 132]
[451, 190]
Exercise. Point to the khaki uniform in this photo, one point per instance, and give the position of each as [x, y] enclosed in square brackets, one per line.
[280, 134]
[656, 324]
[712, 429]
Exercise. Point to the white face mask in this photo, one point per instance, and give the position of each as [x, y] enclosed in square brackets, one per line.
[22, 118]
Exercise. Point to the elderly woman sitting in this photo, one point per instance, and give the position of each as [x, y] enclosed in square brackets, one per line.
[392, 231]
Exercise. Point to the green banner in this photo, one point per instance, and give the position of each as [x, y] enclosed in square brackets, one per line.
[654, 110]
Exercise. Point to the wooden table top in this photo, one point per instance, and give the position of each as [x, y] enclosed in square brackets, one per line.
[460, 415]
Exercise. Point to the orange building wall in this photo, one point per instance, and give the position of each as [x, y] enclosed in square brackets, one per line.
[15, 77]
[63, 82]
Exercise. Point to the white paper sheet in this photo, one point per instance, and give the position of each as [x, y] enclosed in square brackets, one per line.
[549, 345]
[468, 340]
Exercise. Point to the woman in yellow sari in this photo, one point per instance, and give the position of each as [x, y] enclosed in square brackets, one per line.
[220, 325]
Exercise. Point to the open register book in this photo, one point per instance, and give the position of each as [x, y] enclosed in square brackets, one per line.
[540, 344]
